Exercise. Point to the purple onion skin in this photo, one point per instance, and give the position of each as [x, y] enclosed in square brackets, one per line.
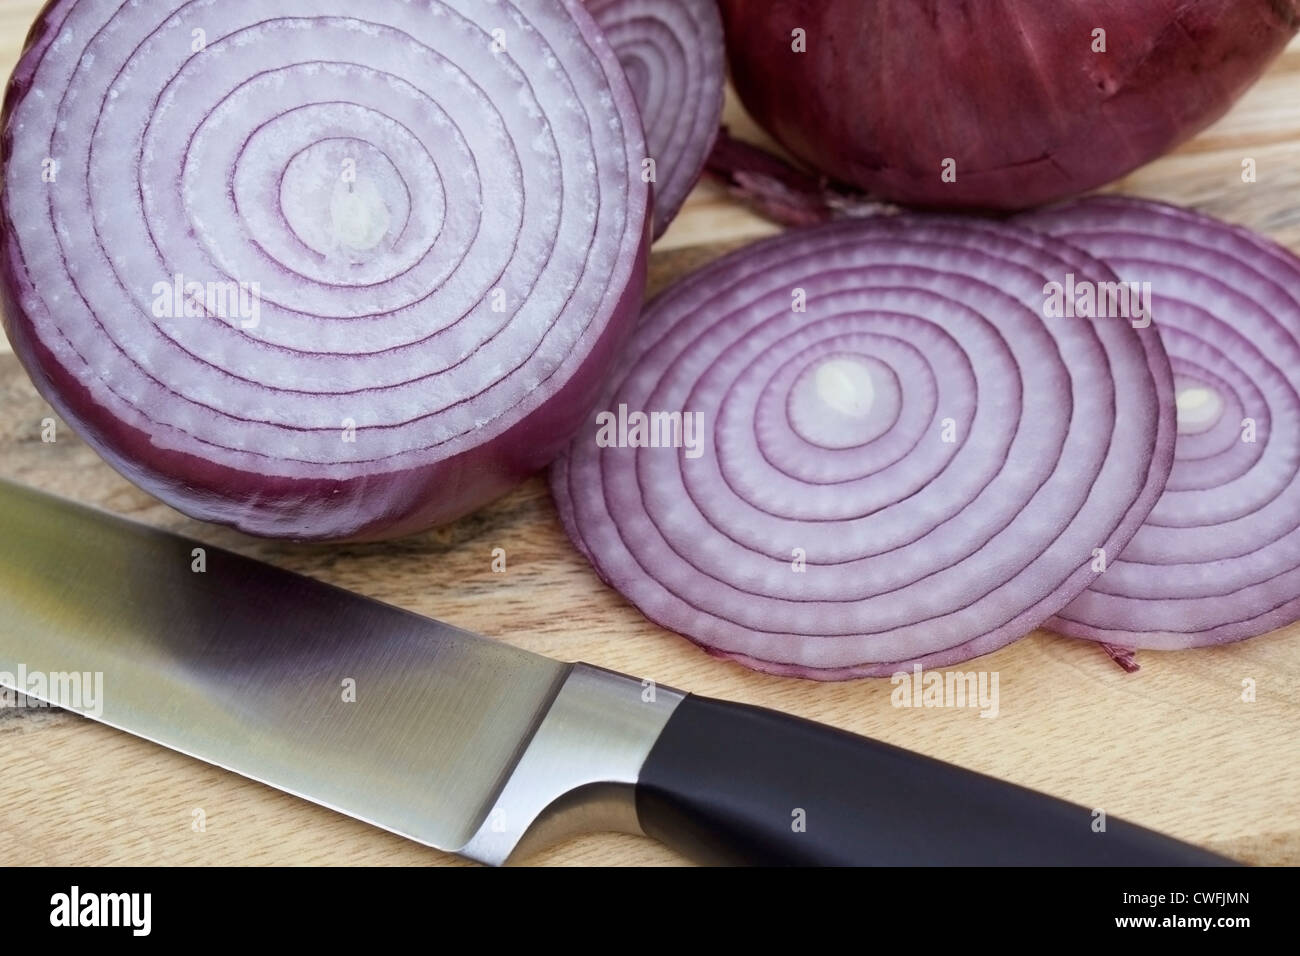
[370, 508]
[1010, 89]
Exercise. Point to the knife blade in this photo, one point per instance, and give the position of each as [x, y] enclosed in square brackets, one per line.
[467, 744]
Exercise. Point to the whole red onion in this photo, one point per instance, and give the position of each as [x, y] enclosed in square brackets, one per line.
[997, 104]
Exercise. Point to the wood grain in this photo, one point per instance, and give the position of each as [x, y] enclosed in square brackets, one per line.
[1173, 746]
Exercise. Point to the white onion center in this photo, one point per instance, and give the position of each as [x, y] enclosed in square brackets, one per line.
[1198, 406]
[845, 385]
[358, 215]
[336, 198]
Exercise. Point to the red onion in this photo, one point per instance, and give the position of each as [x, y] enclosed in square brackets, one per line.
[435, 211]
[918, 468]
[1218, 559]
[1020, 102]
[673, 53]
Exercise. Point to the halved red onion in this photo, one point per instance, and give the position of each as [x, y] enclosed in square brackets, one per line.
[435, 211]
[675, 59]
[1218, 559]
[917, 468]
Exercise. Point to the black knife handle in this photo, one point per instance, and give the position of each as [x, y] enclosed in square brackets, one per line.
[730, 783]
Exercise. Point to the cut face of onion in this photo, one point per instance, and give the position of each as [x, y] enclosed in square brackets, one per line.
[321, 270]
[1218, 559]
[675, 60]
[855, 447]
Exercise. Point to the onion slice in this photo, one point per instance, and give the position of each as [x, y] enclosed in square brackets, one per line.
[675, 59]
[1218, 559]
[321, 270]
[917, 467]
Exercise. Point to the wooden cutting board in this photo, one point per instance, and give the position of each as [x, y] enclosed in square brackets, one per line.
[1173, 746]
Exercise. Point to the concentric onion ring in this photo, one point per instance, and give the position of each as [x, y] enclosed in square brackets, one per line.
[1218, 559]
[436, 211]
[940, 458]
[675, 59]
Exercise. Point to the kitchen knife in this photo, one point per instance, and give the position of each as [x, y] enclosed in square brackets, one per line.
[467, 744]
